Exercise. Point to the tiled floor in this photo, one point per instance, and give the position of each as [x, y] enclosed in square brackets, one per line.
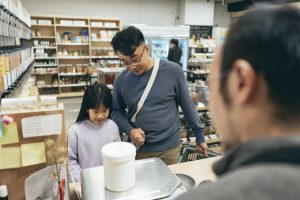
[72, 107]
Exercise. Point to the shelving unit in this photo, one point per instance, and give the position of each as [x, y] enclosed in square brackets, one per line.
[73, 47]
[15, 50]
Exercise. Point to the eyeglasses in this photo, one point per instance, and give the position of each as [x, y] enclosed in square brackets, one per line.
[134, 63]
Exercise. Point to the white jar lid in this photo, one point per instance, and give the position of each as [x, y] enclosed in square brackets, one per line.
[118, 151]
[3, 191]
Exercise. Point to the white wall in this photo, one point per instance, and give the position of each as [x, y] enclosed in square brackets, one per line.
[199, 12]
[221, 16]
[153, 12]
[181, 11]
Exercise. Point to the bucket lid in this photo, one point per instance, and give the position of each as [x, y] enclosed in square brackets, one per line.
[118, 151]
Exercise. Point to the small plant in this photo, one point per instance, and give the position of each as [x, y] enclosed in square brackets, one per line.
[56, 155]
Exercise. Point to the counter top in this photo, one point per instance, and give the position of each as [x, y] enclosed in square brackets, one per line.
[199, 169]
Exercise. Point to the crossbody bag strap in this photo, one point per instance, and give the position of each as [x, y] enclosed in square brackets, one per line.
[147, 89]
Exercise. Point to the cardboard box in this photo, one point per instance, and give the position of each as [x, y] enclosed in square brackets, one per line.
[79, 23]
[44, 22]
[66, 22]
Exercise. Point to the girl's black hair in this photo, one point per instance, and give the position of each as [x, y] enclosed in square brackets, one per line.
[93, 97]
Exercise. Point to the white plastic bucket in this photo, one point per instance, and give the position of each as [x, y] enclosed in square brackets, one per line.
[119, 167]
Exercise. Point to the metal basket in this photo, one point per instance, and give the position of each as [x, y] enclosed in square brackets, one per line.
[189, 153]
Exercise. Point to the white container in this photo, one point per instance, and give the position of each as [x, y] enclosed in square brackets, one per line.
[119, 167]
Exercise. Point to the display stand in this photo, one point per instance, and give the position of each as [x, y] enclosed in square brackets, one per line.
[14, 177]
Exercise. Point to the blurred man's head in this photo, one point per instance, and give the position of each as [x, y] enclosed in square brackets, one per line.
[174, 42]
[255, 78]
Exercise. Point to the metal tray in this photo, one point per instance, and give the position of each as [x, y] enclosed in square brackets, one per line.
[154, 180]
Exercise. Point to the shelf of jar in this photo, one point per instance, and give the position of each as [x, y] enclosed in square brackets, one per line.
[73, 74]
[72, 44]
[73, 57]
[42, 37]
[73, 85]
[54, 65]
[72, 26]
[43, 47]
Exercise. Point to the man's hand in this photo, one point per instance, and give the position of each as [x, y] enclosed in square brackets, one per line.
[202, 147]
[137, 136]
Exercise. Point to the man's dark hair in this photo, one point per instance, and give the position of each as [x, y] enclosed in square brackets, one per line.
[175, 42]
[127, 40]
[269, 39]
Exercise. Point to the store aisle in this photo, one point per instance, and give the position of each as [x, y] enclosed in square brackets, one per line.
[72, 107]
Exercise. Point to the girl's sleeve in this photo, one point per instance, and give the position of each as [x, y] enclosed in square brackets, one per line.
[74, 167]
[116, 133]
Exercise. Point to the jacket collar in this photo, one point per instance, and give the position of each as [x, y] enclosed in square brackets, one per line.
[269, 150]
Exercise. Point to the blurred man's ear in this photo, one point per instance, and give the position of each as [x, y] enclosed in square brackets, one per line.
[245, 81]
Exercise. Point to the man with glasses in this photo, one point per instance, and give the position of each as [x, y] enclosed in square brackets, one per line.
[156, 129]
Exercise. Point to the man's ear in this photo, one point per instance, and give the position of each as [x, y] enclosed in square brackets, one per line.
[245, 81]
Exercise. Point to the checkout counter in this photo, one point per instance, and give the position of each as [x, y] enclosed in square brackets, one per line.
[199, 170]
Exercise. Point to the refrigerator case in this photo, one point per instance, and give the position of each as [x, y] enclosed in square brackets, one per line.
[158, 39]
[159, 47]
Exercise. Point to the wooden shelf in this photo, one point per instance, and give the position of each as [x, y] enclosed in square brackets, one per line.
[45, 73]
[72, 44]
[105, 57]
[72, 74]
[73, 57]
[47, 86]
[72, 26]
[104, 27]
[42, 37]
[44, 58]
[100, 40]
[43, 47]
[44, 25]
[101, 48]
[54, 65]
[73, 85]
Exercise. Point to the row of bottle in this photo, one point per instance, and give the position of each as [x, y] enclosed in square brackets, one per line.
[70, 68]
[45, 62]
[72, 80]
[43, 43]
[68, 52]
[12, 65]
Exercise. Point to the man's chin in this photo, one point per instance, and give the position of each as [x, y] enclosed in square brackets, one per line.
[139, 72]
